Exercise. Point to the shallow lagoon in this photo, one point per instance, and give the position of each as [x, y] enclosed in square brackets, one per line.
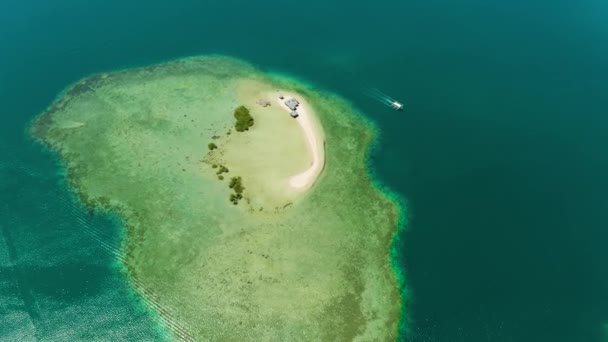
[310, 265]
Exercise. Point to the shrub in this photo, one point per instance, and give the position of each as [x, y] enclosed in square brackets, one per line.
[236, 185]
[212, 146]
[243, 119]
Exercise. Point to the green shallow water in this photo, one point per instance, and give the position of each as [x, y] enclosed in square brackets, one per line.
[310, 267]
[500, 155]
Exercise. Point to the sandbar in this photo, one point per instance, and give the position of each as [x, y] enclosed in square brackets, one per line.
[314, 137]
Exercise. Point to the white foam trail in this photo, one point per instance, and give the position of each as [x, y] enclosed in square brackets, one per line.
[379, 96]
[374, 96]
[382, 95]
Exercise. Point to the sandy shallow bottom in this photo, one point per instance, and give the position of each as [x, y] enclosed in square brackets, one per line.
[282, 265]
[314, 138]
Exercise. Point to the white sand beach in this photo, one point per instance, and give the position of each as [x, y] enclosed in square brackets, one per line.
[280, 157]
[314, 138]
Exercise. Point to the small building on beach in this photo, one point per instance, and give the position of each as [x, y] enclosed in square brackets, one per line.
[292, 103]
[294, 114]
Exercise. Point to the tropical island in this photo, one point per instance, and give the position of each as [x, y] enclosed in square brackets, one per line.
[243, 220]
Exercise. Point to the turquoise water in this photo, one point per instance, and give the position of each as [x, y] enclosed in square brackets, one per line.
[500, 153]
[57, 282]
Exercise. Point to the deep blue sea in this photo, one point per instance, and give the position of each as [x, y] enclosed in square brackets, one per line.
[501, 153]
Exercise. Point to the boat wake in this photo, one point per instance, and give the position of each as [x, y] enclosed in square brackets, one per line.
[383, 98]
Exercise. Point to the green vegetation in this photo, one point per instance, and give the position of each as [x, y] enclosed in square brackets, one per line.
[235, 198]
[212, 146]
[236, 184]
[222, 169]
[243, 119]
[198, 258]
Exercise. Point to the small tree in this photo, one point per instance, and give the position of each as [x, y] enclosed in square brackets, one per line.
[243, 119]
[212, 146]
[236, 185]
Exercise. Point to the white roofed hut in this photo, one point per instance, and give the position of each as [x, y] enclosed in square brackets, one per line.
[292, 103]
[294, 114]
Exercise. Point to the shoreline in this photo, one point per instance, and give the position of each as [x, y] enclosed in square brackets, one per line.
[314, 138]
[283, 254]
